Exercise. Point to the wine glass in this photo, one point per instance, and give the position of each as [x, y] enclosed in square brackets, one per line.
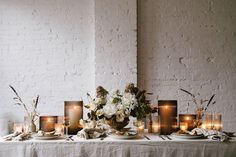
[66, 124]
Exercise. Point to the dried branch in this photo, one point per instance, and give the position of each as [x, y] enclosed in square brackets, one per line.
[209, 102]
[187, 92]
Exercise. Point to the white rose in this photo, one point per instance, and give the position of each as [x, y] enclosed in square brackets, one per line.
[100, 112]
[109, 110]
[120, 116]
[100, 101]
[92, 106]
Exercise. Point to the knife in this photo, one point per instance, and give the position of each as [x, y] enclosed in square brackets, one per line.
[161, 137]
[147, 137]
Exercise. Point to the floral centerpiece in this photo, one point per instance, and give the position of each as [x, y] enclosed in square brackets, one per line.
[116, 109]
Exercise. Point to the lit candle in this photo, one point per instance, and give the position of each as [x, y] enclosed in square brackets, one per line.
[18, 127]
[59, 128]
[47, 123]
[208, 121]
[218, 122]
[183, 126]
[140, 128]
[74, 112]
[168, 116]
[188, 118]
[156, 124]
[203, 126]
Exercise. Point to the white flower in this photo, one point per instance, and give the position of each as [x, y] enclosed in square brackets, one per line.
[100, 101]
[120, 116]
[92, 106]
[100, 112]
[109, 110]
[129, 101]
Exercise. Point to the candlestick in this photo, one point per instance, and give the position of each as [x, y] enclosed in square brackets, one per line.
[188, 118]
[47, 123]
[168, 115]
[18, 127]
[74, 112]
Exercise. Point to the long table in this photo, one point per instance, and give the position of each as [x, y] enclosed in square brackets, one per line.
[155, 147]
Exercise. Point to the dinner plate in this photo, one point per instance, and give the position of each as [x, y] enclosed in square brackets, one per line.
[123, 137]
[46, 137]
[186, 136]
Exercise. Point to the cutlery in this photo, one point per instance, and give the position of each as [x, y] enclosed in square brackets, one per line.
[147, 137]
[161, 137]
[168, 137]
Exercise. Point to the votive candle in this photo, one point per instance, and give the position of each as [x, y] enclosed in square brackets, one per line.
[18, 127]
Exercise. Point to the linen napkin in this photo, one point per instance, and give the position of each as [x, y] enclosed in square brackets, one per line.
[92, 133]
[16, 136]
[211, 134]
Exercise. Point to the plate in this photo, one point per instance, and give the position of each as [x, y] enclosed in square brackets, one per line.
[46, 137]
[186, 136]
[123, 137]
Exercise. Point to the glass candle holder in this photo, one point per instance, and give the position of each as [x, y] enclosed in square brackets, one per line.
[156, 124]
[73, 110]
[217, 124]
[183, 126]
[167, 110]
[208, 121]
[59, 129]
[47, 123]
[18, 127]
[188, 118]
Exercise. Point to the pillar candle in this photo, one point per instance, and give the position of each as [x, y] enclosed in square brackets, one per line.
[188, 118]
[47, 123]
[167, 109]
[74, 112]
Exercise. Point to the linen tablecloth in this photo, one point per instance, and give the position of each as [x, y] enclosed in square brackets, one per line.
[109, 147]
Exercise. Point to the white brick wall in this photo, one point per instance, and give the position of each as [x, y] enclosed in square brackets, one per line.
[62, 49]
[46, 48]
[116, 52]
[189, 44]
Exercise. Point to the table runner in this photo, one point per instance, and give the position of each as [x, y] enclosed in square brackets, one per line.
[118, 148]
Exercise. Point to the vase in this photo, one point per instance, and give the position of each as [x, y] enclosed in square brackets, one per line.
[32, 127]
[118, 126]
[199, 112]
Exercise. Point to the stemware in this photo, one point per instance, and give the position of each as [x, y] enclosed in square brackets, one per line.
[66, 124]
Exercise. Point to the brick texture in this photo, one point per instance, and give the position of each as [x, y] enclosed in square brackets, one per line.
[189, 44]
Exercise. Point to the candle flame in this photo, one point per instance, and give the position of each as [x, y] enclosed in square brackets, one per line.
[75, 107]
[166, 107]
[187, 118]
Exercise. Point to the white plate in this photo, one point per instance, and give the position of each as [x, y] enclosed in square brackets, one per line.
[186, 136]
[123, 137]
[46, 137]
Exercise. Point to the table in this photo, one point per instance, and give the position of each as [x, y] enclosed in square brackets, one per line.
[109, 147]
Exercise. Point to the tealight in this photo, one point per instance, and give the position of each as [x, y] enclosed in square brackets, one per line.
[18, 127]
[183, 126]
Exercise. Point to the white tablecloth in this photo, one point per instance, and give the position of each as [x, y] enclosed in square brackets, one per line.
[108, 147]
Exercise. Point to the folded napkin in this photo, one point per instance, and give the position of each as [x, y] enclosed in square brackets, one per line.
[16, 136]
[92, 133]
[211, 134]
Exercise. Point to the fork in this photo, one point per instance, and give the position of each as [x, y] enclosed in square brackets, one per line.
[168, 137]
[161, 137]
